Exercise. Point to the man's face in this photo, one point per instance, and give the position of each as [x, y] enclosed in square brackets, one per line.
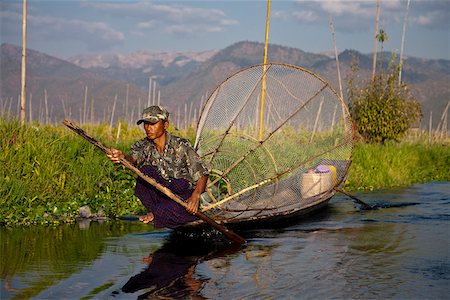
[155, 130]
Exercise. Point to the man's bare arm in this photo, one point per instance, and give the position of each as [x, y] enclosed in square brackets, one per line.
[193, 201]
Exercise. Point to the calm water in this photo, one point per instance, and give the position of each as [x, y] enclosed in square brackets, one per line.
[400, 251]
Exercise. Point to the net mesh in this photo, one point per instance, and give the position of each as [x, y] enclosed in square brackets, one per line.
[263, 133]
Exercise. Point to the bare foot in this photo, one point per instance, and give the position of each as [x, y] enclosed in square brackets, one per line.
[147, 218]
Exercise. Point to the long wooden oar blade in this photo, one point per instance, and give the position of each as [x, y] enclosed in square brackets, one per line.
[363, 204]
[225, 231]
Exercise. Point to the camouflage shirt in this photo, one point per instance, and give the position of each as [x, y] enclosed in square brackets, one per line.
[178, 159]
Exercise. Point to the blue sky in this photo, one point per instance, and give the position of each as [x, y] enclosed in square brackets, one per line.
[67, 28]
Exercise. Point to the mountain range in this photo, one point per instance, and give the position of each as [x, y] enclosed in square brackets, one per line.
[104, 87]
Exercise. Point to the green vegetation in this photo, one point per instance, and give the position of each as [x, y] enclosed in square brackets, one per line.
[398, 164]
[382, 109]
[47, 172]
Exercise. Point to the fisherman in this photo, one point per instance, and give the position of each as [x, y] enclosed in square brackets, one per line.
[173, 163]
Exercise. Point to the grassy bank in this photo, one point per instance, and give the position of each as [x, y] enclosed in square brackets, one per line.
[47, 172]
[398, 164]
[50, 172]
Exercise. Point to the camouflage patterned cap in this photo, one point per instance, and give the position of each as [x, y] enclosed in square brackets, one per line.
[153, 114]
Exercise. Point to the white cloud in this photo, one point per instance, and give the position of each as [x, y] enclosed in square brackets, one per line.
[147, 24]
[170, 18]
[95, 35]
[306, 16]
[432, 19]
[351, 15]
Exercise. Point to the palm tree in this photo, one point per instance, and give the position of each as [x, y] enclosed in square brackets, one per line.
[381, 37]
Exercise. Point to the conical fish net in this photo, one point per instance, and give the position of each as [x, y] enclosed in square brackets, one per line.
[276, 139]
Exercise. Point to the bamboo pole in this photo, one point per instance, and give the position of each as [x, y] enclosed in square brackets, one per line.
[263, 85]
[10, 105]
[64, 108]
[118, 132]
[132, 115]
[24, 63]
[195, 117]
[126, 102]
[149, 100]
[444, 130]
[40, 110]
[153, 93]
[185, 116]
[336, 55]
[30, 109]
[317, 120]
[178, 117]
[440, 126]
[46, 106]
[190, 114]
[430, 124]
[92, 111]
[405, 21]
[377, 17]
[139, 106]
[85, 104]
[334, 116]
[112, 113]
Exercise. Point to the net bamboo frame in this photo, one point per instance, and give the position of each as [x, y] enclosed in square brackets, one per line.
[257, 172]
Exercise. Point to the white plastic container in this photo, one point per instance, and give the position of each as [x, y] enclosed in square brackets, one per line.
[313, 184]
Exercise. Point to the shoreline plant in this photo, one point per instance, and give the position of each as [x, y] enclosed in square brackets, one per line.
[382, 109]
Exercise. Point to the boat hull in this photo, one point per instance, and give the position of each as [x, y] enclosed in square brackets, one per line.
[268, 221]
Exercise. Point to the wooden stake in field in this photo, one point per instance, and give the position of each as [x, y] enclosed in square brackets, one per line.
[46, 106]
[377, 17]
[85, 104]
[92, 111]
[442, 125]
[430, 127]
[263, 84]
[405, 21]
[153, 93]
[149, 100]
[336, 55]
[126, 103]
[24, 63]
[30, 109]
[112, 113]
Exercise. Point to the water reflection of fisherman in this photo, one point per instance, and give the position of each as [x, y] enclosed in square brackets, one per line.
[168, 274]
[173, 163]
[170, 270]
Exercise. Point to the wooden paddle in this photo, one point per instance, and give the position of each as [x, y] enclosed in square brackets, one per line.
[228, 233]
[363, 204]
